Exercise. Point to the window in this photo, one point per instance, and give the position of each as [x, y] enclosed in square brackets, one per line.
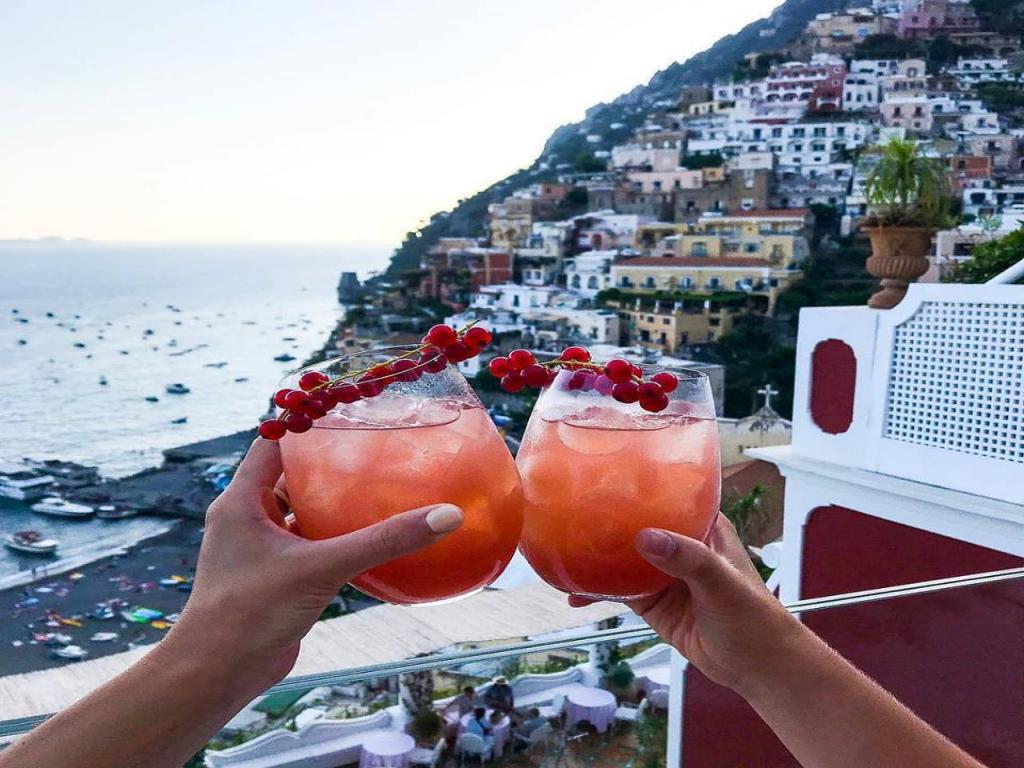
[714, 282]
[751, 247]
[649, 282]
[515, 300]
[576, 281]
[687, 282]
[700, 248]
[819, 132]
[776, 133]
[592, 282]
[666, 321]
[897, 112]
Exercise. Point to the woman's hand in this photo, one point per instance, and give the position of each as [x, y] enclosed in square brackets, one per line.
[259, 587]
[718, 613]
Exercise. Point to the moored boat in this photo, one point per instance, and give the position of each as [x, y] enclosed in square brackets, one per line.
[104, 637]
[23, 483]
[71, 652]
[113, 512]
[177, 389]
[31, 542]
[58, 507]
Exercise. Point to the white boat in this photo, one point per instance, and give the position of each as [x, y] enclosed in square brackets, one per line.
[104, 637]
[58, 507]
[72, 652]
[23, 483]
[31, 542]
[111, 512]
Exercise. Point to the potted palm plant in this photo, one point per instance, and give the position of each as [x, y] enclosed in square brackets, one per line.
[909, 197]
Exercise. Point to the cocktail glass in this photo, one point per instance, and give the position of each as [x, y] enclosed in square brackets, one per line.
[419, 442]
[596, 471]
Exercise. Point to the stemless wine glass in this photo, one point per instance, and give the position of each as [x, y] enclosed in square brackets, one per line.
[595, 471]
[419, 442]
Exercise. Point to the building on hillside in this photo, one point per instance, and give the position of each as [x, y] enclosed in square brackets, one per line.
[817, 83]
[589, 272]
[861, 92]
[512, 297]
[972, 72]
[510, 222]
[670, 325]
[641, 157]
[888, 67]
[985, 197]
[912, 113]
[554, 328]
[906, 466]
[763, 428]
[928, 19]
[450, 277]
[738, 189]
[799, 191]
[839, 32]
[692, 94]
[967, 168]
[604, 230]
[999, 44]
[1003, 148]
[954, 246]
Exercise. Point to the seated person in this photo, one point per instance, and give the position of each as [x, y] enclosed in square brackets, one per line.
[480, 726]
[465, 702]
[532, 722]
[500, 696]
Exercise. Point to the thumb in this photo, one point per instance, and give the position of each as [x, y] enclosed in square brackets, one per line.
[706, 573]
[349, 555]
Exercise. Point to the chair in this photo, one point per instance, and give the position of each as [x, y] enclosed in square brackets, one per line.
[540, 737]
[627, 713]
[424, 756]
[659, 699]
[473, 745]
[555, 710]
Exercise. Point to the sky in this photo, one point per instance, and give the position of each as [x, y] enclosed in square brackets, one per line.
[307, 120]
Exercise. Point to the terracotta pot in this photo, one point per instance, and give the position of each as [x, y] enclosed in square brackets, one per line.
[899, 255]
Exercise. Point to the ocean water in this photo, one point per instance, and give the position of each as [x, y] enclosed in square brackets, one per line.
[139, 318]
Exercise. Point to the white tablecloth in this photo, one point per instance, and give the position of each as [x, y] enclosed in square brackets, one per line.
[386, 750]
[499, 732]
[594, 705]
[654, 680]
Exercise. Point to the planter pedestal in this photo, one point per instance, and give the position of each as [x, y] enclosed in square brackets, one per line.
[899, 255]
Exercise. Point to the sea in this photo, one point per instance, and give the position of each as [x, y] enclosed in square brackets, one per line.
[89, 331]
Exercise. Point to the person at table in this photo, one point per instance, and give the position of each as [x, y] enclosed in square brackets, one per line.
[500, 696]
[465, 702]
[532, 722]
[480, 726]
[716, 612]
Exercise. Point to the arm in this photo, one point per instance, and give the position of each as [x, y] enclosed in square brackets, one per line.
[720, 616]
[258, 590]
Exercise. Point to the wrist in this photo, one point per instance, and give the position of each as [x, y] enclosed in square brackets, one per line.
[793, 653]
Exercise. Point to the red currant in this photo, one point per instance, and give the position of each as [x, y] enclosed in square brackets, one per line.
[668, 381]
[535, 375]
[552, 375]
[433, 360]
[520, 358]
[499, 366]
[273, 429]
[579, 354]
[654, 403]
[638, 372]
[326, 397]
[649, 389]
[442, 335]
[314, 409]
[458, 352]
[626, 392]
[279, 397]
[618, 370]
[312, 379]
[406, 370]
[298, 423]
[346, 393]
[576, 380]
[369, 386]
[380, 371]
[512, 382]
[295, 400]
[477, 338]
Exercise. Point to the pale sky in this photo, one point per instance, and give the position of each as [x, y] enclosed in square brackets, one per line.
[305, 120]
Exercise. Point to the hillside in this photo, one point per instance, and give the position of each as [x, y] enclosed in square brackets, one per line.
[626, 112]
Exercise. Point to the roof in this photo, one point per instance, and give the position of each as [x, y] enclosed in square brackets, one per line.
[772, 213]
[378, 635]
[693, 261]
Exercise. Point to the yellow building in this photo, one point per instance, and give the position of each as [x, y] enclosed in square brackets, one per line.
[671, 325]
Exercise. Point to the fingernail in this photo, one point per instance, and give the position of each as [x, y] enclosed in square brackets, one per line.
[444, 518]
[655, 543]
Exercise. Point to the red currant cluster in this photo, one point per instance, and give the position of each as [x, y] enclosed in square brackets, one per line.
[619, 378]
[318, 393]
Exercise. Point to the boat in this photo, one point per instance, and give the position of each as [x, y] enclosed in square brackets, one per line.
[58, 507]
[32, 542]
[177, 389]
[104, 637]
[112, 512]
[285, 358]
[182, 420]
[23, 483]
[71, 652]
[152, 399]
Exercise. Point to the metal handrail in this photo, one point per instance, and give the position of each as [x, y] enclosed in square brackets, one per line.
[509, 650]
[1011, 274]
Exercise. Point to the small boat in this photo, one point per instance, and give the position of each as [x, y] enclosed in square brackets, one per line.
[71, 652]
[182, 420]
[104, 637]
[103, 381]
[139, 615]
[32, 542]
[58, 507]
[152, 399]
[58, 638]
[111, 512]
[103, 613]
[23, 483]
[177, 389]
[285, 358]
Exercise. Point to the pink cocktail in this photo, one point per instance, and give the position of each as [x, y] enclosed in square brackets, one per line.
[595, 471]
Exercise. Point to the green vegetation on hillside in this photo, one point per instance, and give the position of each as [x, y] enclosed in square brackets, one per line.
[989, 259]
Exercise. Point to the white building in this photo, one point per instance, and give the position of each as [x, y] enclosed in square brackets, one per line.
[969, 72]
[886, 67]
[589, 273]
[512, 297]
[983, 197]
[861, 92]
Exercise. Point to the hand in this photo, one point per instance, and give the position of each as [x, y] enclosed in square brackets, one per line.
[718, 614]
[259, 587]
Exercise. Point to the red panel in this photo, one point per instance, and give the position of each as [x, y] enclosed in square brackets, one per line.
[833, 384]
[955, 657]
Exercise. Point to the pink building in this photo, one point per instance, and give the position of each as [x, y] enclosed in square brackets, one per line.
[929, 18]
